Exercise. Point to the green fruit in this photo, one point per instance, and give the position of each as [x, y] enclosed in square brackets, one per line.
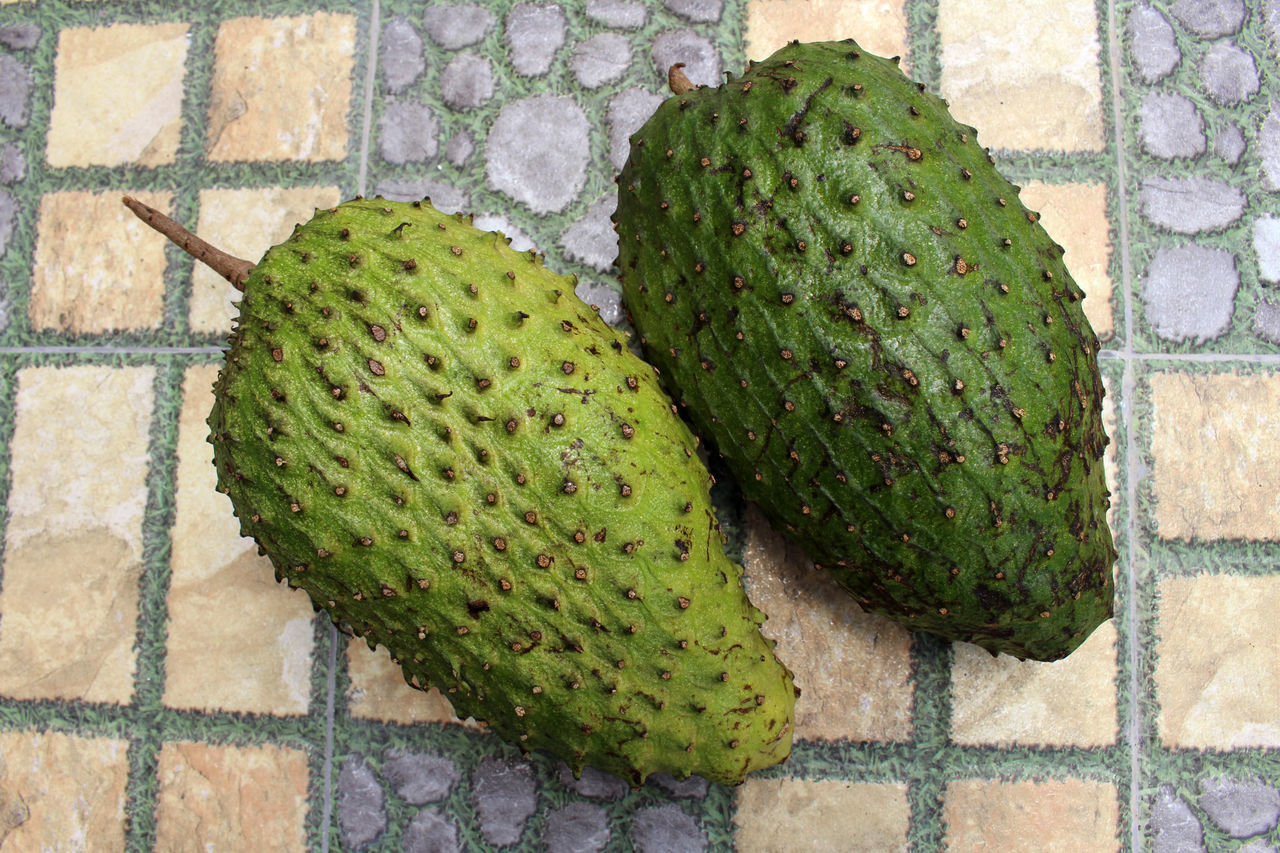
[881, 340]
[431, 435]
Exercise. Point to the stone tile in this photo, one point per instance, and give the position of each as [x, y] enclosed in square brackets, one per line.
[850, 817]
[229, 797]
[97, 266]
[1002, 701]
[117, 95]
[1004, 62]
[80, 807]
[853, 668]
[1076, 216]
[73, 546]
[879, 26]
[1226, 422]
[378, 692]
[1068, 816]
[245, 223]
[1217, 674]
[237, 639]
[281, 88]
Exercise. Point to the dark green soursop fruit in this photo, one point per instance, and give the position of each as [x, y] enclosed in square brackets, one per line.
[431, 435]
[882, 342]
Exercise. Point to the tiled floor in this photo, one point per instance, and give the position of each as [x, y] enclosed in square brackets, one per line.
[159, 691]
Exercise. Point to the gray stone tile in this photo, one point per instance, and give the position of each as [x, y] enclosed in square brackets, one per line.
[601, 59]
[419, 779]
[617, 14]
[361, 804]
[467, 81]
[1266, 246]
[15, 91]
[505, 795]
[1229, 74]
[534, 33]
[407, 133]
[576, 828]
[1229, 144]
[700, 57]
[628, 111]
[591, 240]
[1189, 292]
[698, 11]
[1174, 825]
[593, 783]
[1191, 205]
[549, 175]
[400, 57]
[454, 26]
[1152, 43]
[429, 832]
[1170, 126]
[1210, 18]
[666, 829]
[1240, 808]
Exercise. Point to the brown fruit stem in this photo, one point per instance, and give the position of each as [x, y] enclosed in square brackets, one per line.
[677, 81]
[233, 269]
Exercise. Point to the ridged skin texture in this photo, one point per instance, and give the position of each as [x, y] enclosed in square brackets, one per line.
[432, 436]
[881, 340]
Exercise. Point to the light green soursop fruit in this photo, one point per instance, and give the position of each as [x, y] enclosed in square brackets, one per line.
[431, 435]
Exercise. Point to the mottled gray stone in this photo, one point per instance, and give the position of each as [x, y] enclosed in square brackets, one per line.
[444, 197]
[1151, 40]
[601, 59]
[1269, 148]
[455, 26]
[534, 34]
[362, 807]
[549, 174]
[21, 36]
[602, 297]
[628, 111]
[467, 81]
[459, 148]
[1257, 847]
[666, 829]
[520, 242]
[1191, 205]
[698, 11]
[1229, 143]
[1210, 18]
[8, 216]
[593, 783]
[429, 832]
[505, 797]
[1271, 23]
[1189, 292]
[1170, 126]
[407, 133]
[1229, 74]
[576, 828]
[1240, 808]
[1266, 321]
[1174, 826]
[400, 54]
[13, 163]
[418, 778]
[1266, 245]
[699, 55]
[616, 13]
[694, 787]
[15, 89]
[591, 240]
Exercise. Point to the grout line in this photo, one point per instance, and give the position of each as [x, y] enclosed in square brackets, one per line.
[366, 120]
[326, 819]
[109, 350]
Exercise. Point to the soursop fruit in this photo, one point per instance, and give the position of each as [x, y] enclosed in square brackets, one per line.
[884, 344]
[455, 457]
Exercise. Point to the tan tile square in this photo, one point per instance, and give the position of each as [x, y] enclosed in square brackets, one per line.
[1002, 701]
[245, 223]
[117, 95]
[379, 692]
[97, 266]
[1217, 671]
[849, 817]
[853, 668]
[1076, 216]
[1069, 816]
[879, 26]
[281, 88]
[73, 547]
[1025, 73]
[237, 639]
[1216, 460]
[232, 798]
[62, 792]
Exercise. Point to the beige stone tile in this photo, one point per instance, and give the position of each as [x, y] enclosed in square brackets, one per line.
[1068, 816]
[1002, 701]
[1216, 460]
[879, 26]
[853, 668]
[62, 792]
[378, 692]
[245, 223]
[231, 798]
[117, 95]
[73, 546]
[1025, 73]
[281, 88]
[237, 639]
[97, 266]
[1217, 672]
[785, 815]
[1076, 216]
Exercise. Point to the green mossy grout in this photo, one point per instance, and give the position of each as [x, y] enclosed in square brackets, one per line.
[931, 660]
[924, 44]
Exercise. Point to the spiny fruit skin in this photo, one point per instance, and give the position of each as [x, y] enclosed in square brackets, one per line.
[881, 340]
[431, 435]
